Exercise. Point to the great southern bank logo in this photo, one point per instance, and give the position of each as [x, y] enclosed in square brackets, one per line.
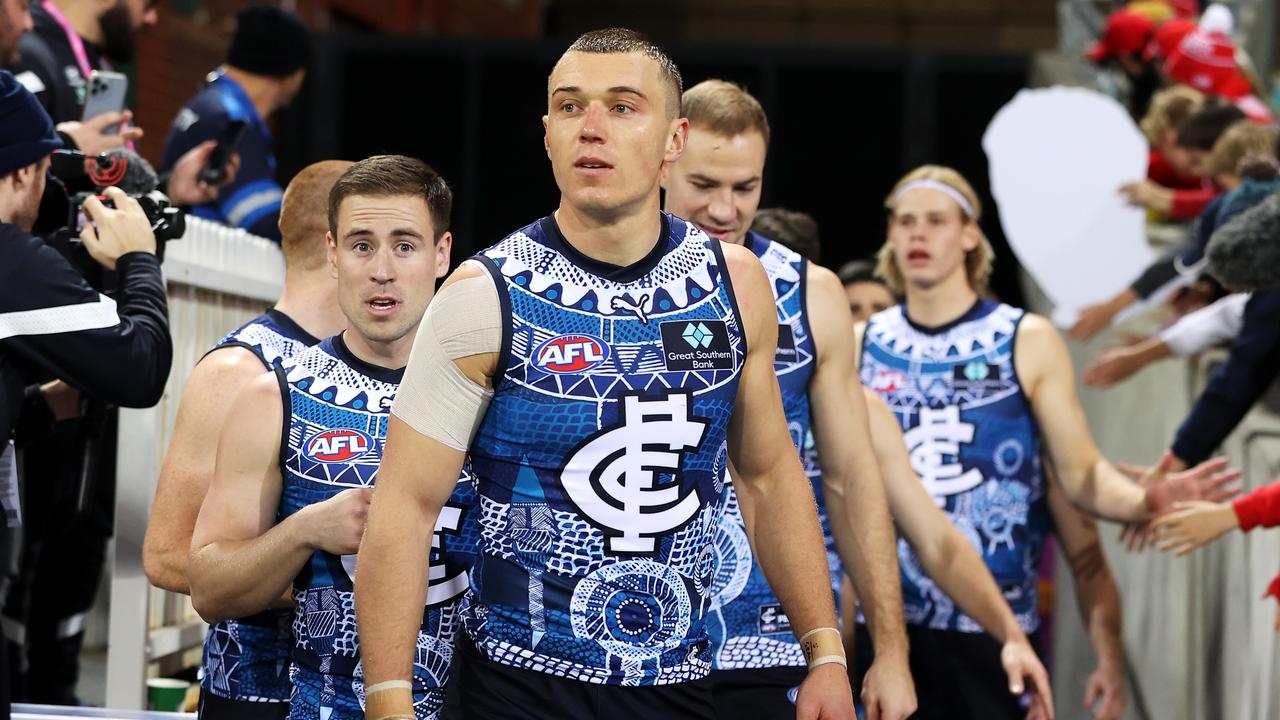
[698, 335]
[338, 445]
[571, 353]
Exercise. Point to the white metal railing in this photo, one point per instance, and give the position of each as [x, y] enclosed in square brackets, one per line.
[217, 279]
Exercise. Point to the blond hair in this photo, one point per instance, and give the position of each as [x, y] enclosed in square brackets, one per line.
[1239, 141]
[1169, 108]
[302, 214]
[724, 108]
[978, 262]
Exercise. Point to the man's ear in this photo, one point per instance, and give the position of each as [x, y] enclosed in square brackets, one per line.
[444, 246]
[677, 137]
[331, 254]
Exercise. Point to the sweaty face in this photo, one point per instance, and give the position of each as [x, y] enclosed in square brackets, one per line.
[867, 299]
[929, 236]
[15, 19]
[716, 183]
[386, 264]
[607, 131]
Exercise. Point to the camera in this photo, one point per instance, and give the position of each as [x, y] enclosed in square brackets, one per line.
[74, 177]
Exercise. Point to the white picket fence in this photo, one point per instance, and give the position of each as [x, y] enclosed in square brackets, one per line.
[217, 279]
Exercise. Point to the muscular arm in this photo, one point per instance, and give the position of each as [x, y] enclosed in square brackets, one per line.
[240, 564]
[853, 488]
[1087, 478]
[1098, 596]
[772, 487]
[415, 479]
[945, 554]
[188, 465]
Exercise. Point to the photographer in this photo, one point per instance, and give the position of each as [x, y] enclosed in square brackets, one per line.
[52, 324]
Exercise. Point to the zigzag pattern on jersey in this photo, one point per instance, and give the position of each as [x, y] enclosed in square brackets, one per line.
[975, 445]
[247, 660]
[549, 591]
[747, 623]
[271, 341]
[327, 394]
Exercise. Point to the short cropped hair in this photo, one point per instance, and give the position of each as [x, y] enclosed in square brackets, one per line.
[302, 214]
[1202, 130]
[1241, 140]
[385, 175]
[859, 271]
[724, 108]
[978, 262]
[796, 230]
[617, 41]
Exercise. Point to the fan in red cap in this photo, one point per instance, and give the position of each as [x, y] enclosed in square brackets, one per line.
[1126, 35]
[1205, 59]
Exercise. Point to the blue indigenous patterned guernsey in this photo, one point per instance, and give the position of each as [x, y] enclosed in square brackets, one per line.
[338, 407]
[974, 444]
[747, 623]
[600, 463]
[247, 660]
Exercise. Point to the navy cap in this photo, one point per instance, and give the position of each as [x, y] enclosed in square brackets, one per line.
[28, 134]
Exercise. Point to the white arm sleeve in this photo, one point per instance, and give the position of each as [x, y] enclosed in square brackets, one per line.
[435, 397]
[1206, 327]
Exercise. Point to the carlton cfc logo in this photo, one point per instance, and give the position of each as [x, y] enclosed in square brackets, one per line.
[340, 445]
[571, 353]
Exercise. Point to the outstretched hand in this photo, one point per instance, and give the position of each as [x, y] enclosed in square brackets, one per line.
[1194, 524]
[1104, 694]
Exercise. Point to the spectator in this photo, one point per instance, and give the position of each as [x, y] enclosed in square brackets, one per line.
[868, 293]
[796, 230]
[264, 70]
[1245, 253]
[1168, 164]
[1195, 140]
[1196, 137]
[1124, 39]
[1197, 331]
[51, 322]
[1205, 58]
[71, 39]
[15, 19]
[1241, 140]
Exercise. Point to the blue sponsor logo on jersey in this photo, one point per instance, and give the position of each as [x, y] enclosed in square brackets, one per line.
[338, 446]
[571, 353]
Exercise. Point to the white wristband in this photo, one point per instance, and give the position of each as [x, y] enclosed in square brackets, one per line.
[388, 685]
[826, 659]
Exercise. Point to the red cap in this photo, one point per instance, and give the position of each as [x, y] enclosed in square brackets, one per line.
[1167, 37]
[1203, 60]
[1236, 86]
[1127, 33]
[1185, 8]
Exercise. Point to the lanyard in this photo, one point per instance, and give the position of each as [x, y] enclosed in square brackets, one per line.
[77, 45]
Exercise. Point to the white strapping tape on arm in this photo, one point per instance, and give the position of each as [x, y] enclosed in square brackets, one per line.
[436, 398]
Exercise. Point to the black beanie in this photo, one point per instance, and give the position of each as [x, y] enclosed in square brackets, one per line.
[28, 132]
[269, 40]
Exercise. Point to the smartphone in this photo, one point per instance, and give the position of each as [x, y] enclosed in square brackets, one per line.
[105, 94]
[214, 170]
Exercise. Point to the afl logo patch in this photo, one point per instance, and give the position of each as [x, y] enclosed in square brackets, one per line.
[571, 353]
[336, 446]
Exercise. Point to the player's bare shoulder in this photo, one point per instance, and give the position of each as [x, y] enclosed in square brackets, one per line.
[1039, 351]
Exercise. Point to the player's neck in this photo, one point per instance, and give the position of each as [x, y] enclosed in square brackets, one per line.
[312, 302]
[622, 239]
[83, 18]
[261, 91]
[941, 303]
[393, 354]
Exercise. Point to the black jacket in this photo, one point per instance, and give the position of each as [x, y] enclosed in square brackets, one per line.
[53, 324]
[1236, 384]
[47, 55]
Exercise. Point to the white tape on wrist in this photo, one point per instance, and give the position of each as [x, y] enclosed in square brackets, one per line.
[388, 685]
[828, 659]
